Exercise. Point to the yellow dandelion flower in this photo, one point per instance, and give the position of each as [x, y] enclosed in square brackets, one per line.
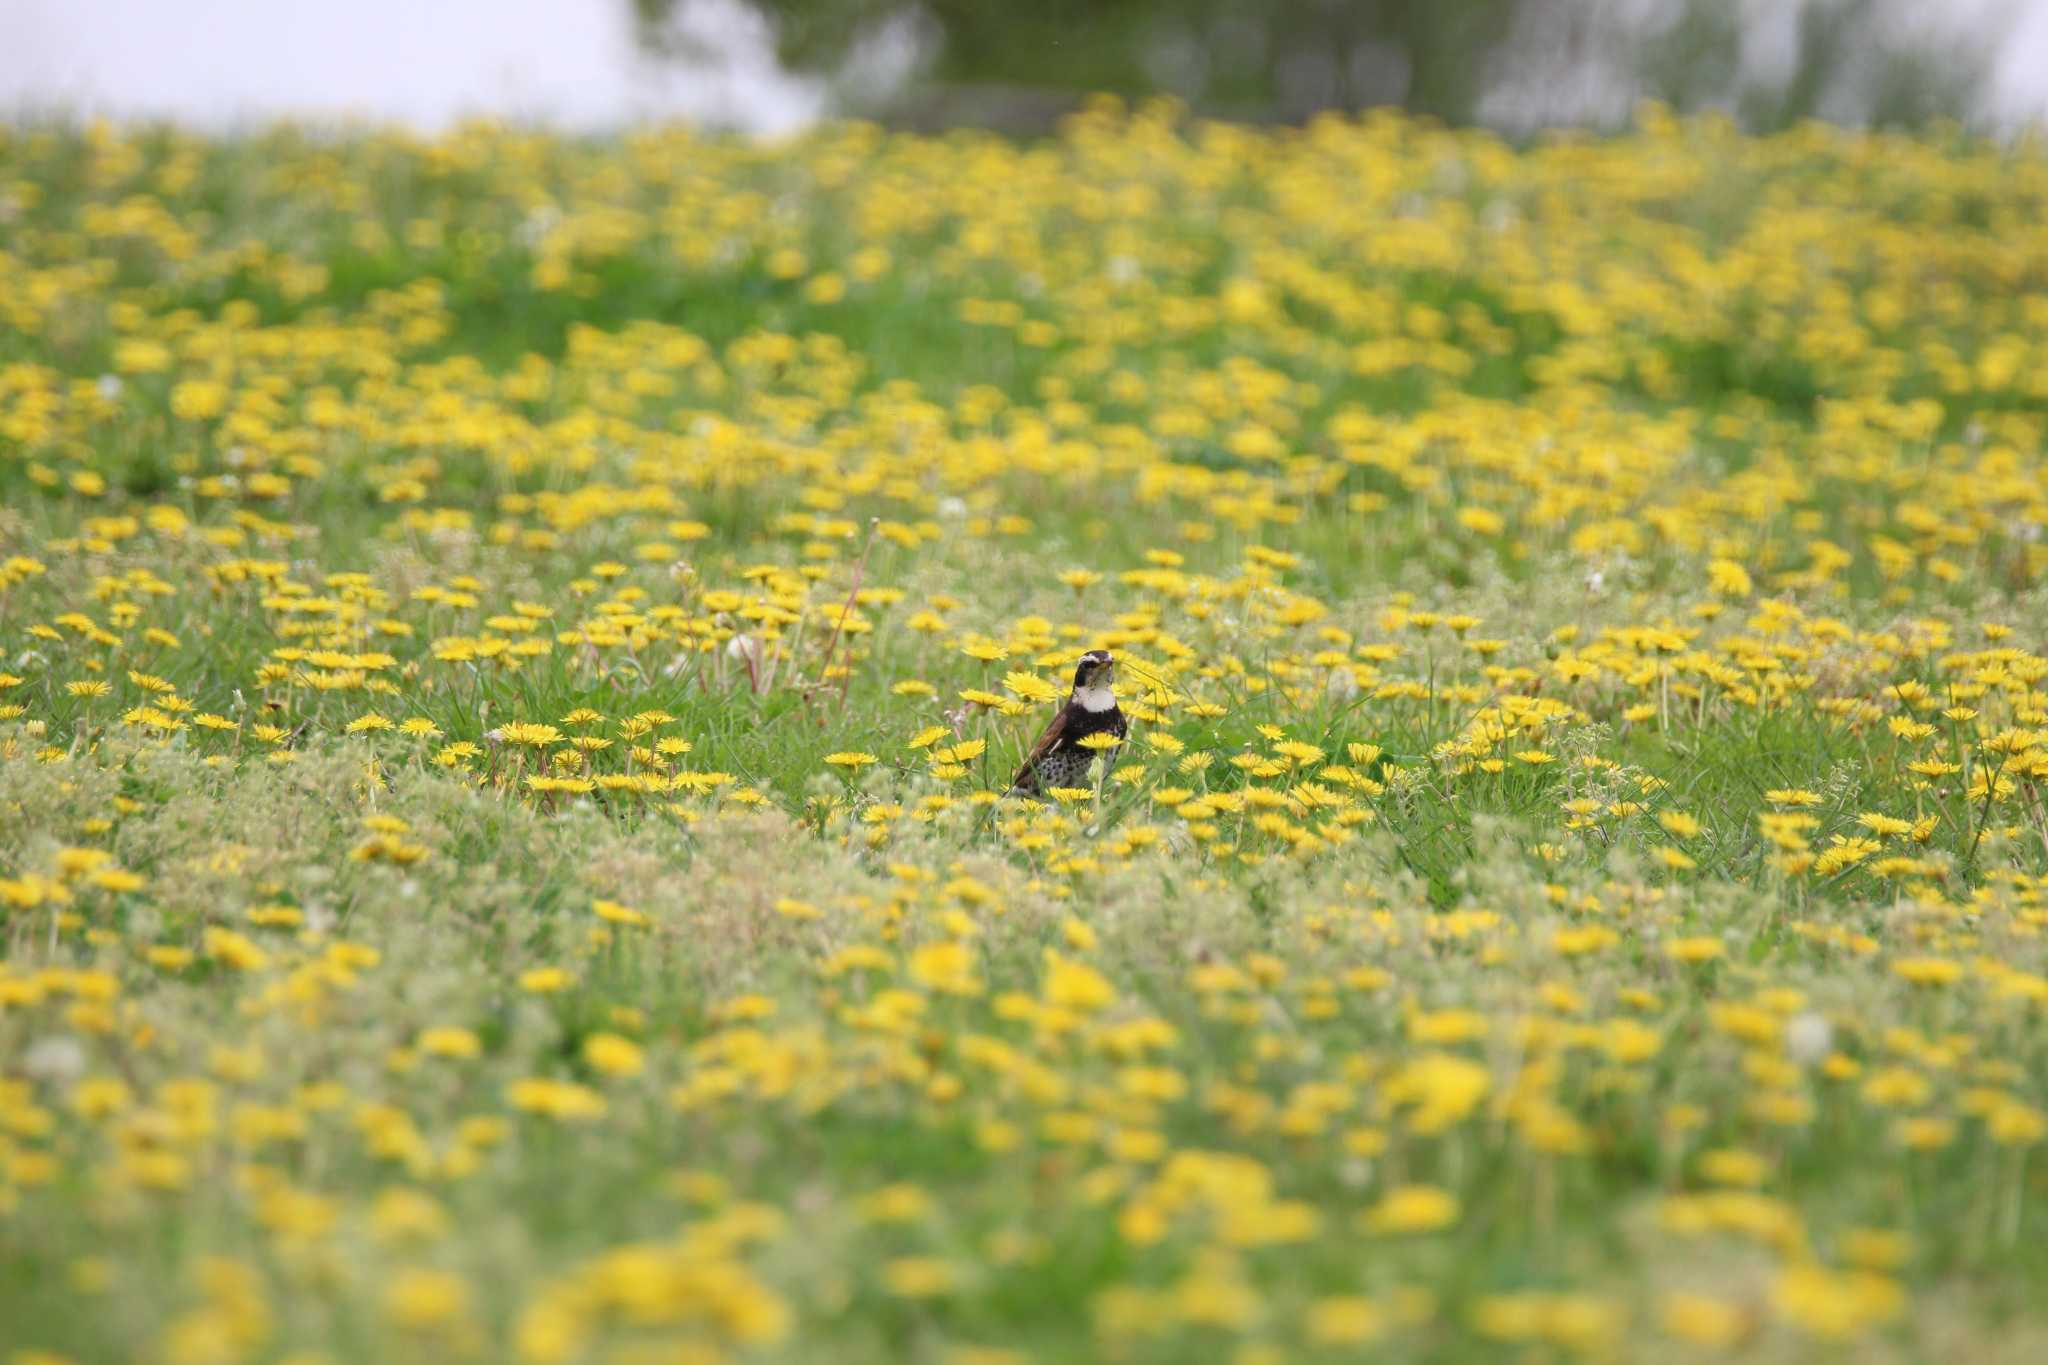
[545, 981]
[613, 1054]
[1412, 1209]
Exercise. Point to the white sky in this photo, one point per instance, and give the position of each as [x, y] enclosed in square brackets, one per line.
[215, 63]
[422, 62]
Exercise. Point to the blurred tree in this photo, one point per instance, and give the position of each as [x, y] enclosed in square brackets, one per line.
[1277, 59]
[1769, 62]
[1852, 61]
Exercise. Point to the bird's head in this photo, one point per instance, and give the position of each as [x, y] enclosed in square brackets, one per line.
[1096, 668]
[1094, 675]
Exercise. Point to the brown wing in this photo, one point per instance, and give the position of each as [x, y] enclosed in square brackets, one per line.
[1054, 728]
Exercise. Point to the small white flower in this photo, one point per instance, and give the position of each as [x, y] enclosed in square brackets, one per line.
[1343, 684]
[538, 225]
[952, 508]
[109, 386]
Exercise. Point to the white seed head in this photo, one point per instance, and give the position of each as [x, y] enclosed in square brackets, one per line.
[57, 1060]
[1808, 1037]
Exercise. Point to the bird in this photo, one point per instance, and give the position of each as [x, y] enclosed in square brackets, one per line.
[1059, 759]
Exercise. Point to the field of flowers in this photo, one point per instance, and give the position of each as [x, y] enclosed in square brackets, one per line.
[511, 648]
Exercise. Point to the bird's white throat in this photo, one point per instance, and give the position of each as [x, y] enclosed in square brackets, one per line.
[1101, 697]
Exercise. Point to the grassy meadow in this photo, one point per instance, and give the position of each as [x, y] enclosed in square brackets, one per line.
[511, 647]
